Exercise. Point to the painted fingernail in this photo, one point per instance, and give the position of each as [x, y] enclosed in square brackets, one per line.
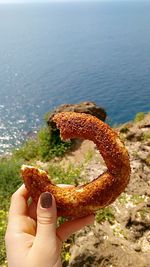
[46, 200]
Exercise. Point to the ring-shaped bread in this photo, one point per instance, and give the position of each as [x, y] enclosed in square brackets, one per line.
[88, 198]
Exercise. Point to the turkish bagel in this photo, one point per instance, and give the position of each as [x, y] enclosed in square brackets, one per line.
[83, 200]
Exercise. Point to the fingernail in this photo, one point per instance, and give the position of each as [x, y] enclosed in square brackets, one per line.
[46, 200]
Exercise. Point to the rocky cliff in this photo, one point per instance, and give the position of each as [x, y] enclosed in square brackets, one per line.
[120, 236]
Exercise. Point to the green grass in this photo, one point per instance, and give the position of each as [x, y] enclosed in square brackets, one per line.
[139, 116]
[146, 136]
[119, 232]
[105, 214]
[68, 175]
[89, 155]
[9, 182]
[28, 151]
[123, 198]
[9, 177]
[137, 199]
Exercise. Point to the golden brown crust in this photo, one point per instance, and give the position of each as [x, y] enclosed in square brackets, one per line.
[83, 200]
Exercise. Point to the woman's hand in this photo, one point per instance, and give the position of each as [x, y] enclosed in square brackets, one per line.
[32, 239]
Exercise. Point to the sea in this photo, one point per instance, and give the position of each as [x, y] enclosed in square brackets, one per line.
[69, 52]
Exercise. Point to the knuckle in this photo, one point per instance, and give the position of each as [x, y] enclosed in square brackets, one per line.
[45, 220]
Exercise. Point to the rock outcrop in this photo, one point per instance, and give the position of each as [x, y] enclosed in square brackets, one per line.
[83, 107]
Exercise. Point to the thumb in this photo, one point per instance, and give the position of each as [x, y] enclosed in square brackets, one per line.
[46, 218]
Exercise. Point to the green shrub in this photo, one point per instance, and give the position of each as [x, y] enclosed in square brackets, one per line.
[44, 138]
[9, 178]
[124, 129]
[139, 117]
[27, 151]
[50, 144]
[105, 214]
[69, 175]
[3, 218]
[47, 115]
[46, 146]
[146, 136]
[137, 199]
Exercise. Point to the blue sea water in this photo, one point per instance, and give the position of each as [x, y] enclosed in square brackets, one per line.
[58, 53]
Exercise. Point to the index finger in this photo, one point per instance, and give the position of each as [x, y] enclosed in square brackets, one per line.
[18, 204]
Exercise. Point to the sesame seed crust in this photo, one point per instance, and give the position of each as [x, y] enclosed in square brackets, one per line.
[102, 191]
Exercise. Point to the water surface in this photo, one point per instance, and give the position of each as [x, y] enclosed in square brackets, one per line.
[58, 53]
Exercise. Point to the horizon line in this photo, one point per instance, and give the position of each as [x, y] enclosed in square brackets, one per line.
[5, 2]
